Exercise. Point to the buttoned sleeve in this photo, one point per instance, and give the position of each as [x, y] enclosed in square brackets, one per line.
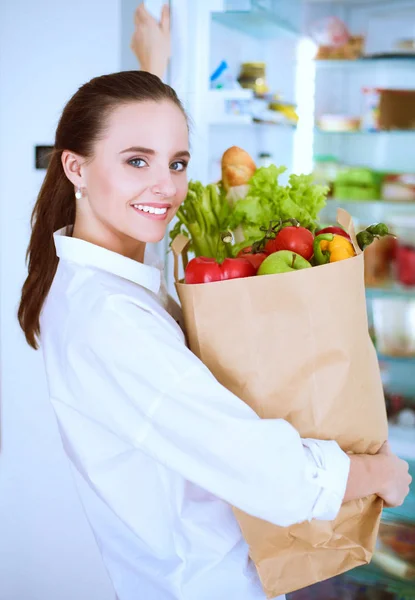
[133, 375]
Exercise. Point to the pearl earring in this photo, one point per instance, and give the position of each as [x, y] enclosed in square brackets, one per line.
[78, 194]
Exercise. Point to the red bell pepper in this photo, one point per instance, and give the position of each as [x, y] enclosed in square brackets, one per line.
[334, 231]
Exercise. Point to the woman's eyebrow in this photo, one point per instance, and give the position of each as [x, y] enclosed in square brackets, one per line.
[138, 149]
[142, 150]
[181, 154]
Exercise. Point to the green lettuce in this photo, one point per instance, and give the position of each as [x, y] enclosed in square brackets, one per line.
[267, 201]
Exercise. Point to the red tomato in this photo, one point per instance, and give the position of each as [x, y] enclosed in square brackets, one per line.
[296, 239]
[206, 270]
[334, 231]
[256, 259]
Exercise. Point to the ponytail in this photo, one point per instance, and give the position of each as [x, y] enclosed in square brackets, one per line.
[82, 122]
[54, 209]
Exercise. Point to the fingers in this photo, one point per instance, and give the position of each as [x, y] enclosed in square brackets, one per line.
[165, 18]
[142, 15]
[385, 449]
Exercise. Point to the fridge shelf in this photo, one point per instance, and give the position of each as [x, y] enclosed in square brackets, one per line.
[360, 132]
[408, 361]
[398, 376]
[393, 291]
[257, 23]
[370, 575]
[231, 121]
[370, 211]
[402, 441]
[364, 63]
[245, 120]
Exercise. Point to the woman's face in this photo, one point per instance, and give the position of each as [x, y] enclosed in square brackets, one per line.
[137, 178]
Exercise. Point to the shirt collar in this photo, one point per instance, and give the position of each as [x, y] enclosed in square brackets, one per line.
[89, 255]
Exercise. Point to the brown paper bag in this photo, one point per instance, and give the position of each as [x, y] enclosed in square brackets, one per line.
[296, 346]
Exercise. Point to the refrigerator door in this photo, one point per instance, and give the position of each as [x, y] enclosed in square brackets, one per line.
[188, 74]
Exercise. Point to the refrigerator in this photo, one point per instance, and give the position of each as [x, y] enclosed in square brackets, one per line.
[371, 169]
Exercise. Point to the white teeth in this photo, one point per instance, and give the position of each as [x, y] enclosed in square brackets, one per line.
[151, 209]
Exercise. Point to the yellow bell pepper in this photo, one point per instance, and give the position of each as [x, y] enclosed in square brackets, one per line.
[332, 248]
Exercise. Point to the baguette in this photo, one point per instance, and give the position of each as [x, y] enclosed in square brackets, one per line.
[237, 167]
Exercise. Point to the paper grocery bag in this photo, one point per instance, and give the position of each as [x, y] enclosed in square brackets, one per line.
[296, 346]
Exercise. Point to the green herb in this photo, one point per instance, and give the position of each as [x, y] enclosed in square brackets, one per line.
[202, 217]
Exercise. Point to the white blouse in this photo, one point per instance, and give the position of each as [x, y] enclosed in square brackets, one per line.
[159, 449]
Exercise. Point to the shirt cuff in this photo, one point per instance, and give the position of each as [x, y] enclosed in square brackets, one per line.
[329, 469]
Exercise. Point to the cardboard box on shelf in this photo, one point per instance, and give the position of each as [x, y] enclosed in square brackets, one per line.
[397, 109]
[387, 109]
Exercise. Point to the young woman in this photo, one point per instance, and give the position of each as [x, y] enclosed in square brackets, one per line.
[159, 449]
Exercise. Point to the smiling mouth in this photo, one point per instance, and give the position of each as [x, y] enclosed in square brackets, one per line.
[158, 211]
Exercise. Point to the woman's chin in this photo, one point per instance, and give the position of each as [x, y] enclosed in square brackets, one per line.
[151, 237]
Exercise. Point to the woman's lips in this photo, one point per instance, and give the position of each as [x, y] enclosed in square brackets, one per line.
[153, 211]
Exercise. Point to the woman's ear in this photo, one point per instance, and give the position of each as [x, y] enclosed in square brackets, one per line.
[72, 164]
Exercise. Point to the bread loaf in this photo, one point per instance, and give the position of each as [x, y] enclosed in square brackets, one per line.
[237, 167]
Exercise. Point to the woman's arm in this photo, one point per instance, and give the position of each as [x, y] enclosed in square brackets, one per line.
[151, 40]
[140, 382]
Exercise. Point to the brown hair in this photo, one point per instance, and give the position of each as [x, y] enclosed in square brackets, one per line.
[82, 122]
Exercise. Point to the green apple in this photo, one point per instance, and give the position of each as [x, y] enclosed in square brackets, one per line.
[283, 261]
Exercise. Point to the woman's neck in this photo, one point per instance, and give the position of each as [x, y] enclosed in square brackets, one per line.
[105, 237]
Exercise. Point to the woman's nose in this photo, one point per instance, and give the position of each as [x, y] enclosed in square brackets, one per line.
[164, 187]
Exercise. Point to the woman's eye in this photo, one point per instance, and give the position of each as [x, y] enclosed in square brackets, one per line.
[137, 162]
[179, 165]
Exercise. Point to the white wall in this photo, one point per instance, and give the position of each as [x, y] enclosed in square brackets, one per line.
[47, 49]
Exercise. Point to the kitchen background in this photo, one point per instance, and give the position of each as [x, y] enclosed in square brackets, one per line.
[317, 86]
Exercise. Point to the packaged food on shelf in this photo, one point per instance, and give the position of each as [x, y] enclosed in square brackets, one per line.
[265, 159]
[284, 108]
[229, 105]
[338, 123]
[395, 550]
[334, 40]
[370, 113]
[405, 250]
[221, 77]
[394, 326]
[406, 46]
[388, 109]
[330, 31]
[357, 183]
[352, 50]
[395, 404]
[406, 418]
[397, 109]
[270, 108]
[253, 76]
[390, 33]
[405, 264]
[325, 171]
[399, 187]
